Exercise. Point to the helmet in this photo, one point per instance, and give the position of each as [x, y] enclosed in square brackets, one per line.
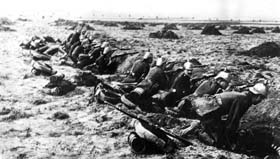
[188, 66]
[106, 50]
[159, 62]
[223, 75]
[82, 37]
[105, 44]
[85, 41]
[36, 43]
[148, 55]
[259, 88]
[90, 37]
[97, 43]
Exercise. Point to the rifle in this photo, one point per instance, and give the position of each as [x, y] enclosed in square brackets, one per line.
[158, 128]
[205, 76]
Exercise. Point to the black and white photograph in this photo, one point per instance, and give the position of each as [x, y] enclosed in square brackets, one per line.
[140, 79]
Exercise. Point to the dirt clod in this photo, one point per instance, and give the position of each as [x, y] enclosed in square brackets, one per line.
[60, 115]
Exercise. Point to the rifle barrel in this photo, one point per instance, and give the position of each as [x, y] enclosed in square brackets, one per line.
[185, 141]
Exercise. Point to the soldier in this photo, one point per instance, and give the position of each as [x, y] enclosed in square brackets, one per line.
[221, 117]
[140, 69]
[213, 85]
[72, 39]
[96, 50]
[179, 88]
[103, 60]
[155, 80]
[182, 83]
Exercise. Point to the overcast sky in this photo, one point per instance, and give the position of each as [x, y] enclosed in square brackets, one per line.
[222, 9]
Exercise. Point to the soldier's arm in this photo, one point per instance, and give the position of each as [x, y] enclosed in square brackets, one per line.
[237, 110]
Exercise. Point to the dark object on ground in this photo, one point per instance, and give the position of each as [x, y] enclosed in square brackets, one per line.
[194, 26]
[24, 19]
[86, 79]
[5, 21]
[258, 30]
[39, 102]
[133, 26]
[49, 39]
[243, 30]
[268, 28]
[153, 24]
[258, 139]
[195, 62]
[37, 56]
[275, 30]
[82, 26]
[25, 45]
[5, 111]
[267, 49]
[60, 115]
[171, 26]
[58, 86]
[111, 24]
[210, 30]
[105, 93]
[234, 27]
[164, 34]
[137, 144]
[40, 68]
[60, 22]
[4, 28]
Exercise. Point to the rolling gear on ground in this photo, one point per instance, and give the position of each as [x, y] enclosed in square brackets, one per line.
[155, 139]
[40, 68]
[58, 86]
[105, 93]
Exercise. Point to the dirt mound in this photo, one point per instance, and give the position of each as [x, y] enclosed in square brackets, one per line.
[60, 115]
[3, 24]
[5, 28]
[210, 30]
[153, 24]
[268, 28]
[62, 22]
[267, 49]
[258, 30]
[195, 26]
[133, 26]
[262, 121]
[243, 30]
[164, 34]
[5, 21]
[234, 27]
[275, 30]
[171, 26]
[111, 24]
[82, 26]
[24, 19]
